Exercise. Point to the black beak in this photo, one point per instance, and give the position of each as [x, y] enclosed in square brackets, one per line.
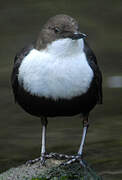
[79, 35]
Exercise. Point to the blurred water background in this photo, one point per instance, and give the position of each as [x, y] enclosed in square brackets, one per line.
[20, 133]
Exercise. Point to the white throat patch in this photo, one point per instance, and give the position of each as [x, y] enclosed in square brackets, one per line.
[59, 71]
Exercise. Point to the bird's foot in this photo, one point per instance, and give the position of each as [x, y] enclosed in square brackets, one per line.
[58, 156]
[30, 162]
[52, 155]
[75, 158]
[39, 159]
[70, 159]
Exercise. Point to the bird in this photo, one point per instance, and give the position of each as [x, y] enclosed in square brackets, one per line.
[58, 75]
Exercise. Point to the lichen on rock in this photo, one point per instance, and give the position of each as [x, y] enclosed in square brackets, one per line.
[52, 171]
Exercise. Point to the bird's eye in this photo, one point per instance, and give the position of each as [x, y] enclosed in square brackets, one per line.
[57, 30]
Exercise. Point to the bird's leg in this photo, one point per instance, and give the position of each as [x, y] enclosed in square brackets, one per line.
[44, 126]
[85, 128]
[42, 158]
[79, 155]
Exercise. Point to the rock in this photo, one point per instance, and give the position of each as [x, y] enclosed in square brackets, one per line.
[52, 171]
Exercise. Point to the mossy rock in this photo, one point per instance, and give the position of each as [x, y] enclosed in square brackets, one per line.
[70, 172]
[52, 171]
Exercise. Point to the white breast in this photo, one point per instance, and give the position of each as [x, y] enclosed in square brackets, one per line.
[51, 73]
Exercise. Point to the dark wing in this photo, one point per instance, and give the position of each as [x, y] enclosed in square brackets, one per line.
[97, 73]
[17, 61]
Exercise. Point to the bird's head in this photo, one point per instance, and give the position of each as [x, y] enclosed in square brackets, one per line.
[59, 27]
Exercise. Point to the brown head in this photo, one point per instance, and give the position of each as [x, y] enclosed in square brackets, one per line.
[58, 27]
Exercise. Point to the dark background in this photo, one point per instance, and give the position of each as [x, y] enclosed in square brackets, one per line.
[20, 133]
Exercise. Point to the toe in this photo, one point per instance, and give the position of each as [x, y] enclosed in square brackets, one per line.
[30, 162]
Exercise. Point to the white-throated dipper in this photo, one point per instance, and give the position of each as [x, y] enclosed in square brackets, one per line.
[58, 75]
